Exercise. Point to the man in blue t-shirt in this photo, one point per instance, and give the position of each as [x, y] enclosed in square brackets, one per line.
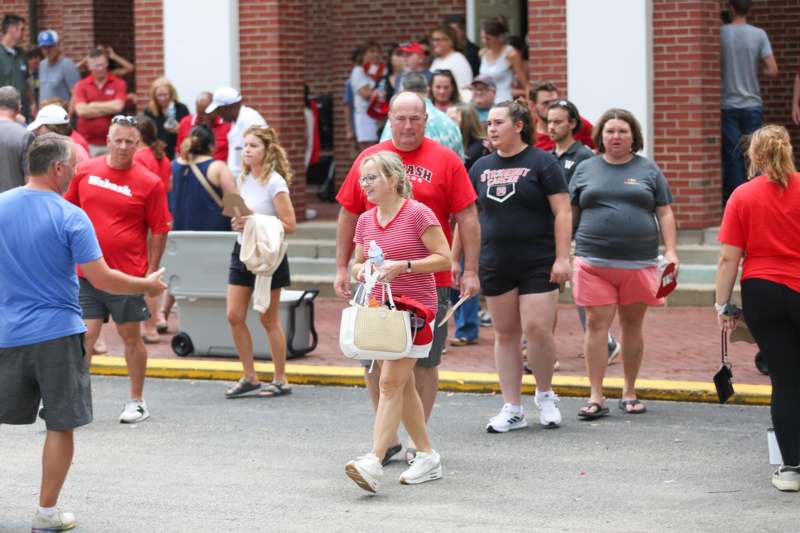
[42, 238]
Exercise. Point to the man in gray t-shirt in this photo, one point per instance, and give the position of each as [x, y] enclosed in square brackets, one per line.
[14, 141]
[57, 73]
[743, 49]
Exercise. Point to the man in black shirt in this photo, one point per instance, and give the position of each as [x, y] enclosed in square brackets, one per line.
[13, 65]
[563, 122]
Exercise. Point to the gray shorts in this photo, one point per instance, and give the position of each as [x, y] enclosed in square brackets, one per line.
[439, 334]
[55, 372]
[97, 305]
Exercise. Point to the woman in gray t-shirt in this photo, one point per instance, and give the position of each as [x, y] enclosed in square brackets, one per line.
[620, 200]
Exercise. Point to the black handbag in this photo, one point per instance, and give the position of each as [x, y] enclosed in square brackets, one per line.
[723, 379]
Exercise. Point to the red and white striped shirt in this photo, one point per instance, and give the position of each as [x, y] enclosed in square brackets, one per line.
[401, 240]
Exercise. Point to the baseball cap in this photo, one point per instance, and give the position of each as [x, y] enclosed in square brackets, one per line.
[412, 47]
[47, 38]
[49, 114]
[222, 97]
[483, 79]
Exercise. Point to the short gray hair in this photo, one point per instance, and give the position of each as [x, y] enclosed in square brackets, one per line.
[10, 98]
[47, 149]
[414, 82]
[398, 95]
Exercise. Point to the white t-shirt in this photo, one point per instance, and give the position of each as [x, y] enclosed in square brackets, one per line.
[247, 117]
[258, 195]
[458, 65]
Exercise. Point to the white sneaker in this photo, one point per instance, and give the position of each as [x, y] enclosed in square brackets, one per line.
[134, 411]
[366, 471]
[60, 521]
[506, 420]
[424, 467]
[549, 415]
[787, 478]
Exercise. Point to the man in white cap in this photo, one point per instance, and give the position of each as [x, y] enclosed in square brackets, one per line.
[54, 118]
[57, 74]
[227, 104]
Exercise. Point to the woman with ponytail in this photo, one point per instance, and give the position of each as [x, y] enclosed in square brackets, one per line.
[152, 153]
[522, 264]
[264, 187]
[761, 223]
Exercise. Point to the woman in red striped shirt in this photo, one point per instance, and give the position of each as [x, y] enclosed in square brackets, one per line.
[414, 247]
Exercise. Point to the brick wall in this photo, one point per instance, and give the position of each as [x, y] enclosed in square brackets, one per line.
[148, 40]
[272, 51]
[781, 20]
[334, 30]
[547, 38]
[686, 106]
[74, 22]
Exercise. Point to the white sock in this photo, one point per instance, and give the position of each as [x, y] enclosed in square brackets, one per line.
[544, 394]
[513, 408]
[49, 512]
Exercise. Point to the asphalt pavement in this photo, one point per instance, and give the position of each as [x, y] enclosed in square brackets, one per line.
[203, 463]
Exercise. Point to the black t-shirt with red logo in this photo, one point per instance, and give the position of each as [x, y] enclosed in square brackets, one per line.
[517, 223]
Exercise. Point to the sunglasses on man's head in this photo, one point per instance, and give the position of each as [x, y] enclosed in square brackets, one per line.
[124, 119]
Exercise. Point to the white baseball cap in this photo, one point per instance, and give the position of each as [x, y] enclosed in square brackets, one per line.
[49, 114]
[222, 97]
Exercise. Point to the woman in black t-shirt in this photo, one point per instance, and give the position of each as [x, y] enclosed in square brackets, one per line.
[526, 225]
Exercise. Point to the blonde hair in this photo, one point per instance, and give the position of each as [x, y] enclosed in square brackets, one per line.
[274, 158]
[770, 152]
[390, 165]
[153, 106]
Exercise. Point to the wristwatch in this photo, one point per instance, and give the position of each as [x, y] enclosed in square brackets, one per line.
[408, 266]
[720, 307]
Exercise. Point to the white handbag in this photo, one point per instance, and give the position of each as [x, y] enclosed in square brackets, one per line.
[374, 332]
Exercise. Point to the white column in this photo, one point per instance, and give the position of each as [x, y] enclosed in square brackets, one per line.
[201, 46]
[610, 59]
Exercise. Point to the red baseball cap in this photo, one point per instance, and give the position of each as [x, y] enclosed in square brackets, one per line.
[412, 47]
[421, 316]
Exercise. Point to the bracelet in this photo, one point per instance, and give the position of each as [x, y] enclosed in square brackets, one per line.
[720, 307]
[408, 266]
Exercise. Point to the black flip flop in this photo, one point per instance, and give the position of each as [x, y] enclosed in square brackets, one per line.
[241, 388]
[624, 404]
[391, 452]
[600, 411]
[275, 389]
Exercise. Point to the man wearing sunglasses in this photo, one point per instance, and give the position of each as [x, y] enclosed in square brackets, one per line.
[124, 201]
[98, 97]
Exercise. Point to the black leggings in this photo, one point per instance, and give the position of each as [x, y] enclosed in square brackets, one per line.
[772, 312]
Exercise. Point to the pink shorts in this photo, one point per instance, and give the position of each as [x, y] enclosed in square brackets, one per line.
[593, 285]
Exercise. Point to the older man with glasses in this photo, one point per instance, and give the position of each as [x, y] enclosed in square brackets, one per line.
[123, 200]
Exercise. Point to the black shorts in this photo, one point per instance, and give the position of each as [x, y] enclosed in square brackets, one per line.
[528, 280]
[239, 275]
[55, 372]
[97, 305]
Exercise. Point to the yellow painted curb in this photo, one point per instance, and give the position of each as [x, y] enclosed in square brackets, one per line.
[482, 382]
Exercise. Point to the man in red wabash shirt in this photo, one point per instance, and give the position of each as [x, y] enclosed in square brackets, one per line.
[123, 200]
[439, 180]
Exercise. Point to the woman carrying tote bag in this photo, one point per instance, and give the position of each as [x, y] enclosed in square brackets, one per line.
[414, 247]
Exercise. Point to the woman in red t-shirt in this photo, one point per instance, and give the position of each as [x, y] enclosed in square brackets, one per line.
[153, 157]
[761, 221]
[414, 247]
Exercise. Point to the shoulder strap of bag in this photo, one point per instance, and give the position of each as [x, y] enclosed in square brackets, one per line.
[204, 182]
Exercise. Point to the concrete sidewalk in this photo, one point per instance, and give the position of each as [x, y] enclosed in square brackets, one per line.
[681, 355]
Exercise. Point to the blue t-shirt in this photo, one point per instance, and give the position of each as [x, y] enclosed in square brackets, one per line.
[42, 238]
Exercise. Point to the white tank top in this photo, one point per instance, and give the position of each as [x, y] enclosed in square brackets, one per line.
[500, 71]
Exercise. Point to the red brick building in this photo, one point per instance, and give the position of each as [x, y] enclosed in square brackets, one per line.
[282, 44]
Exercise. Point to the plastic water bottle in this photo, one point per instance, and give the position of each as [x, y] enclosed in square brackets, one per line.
[171, 123]
[375, 254]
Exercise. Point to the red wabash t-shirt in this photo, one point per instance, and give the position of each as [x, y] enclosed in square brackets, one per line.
[438, 180]
[85, 92]
[762, 219]
[401, 240]
[122, 205]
